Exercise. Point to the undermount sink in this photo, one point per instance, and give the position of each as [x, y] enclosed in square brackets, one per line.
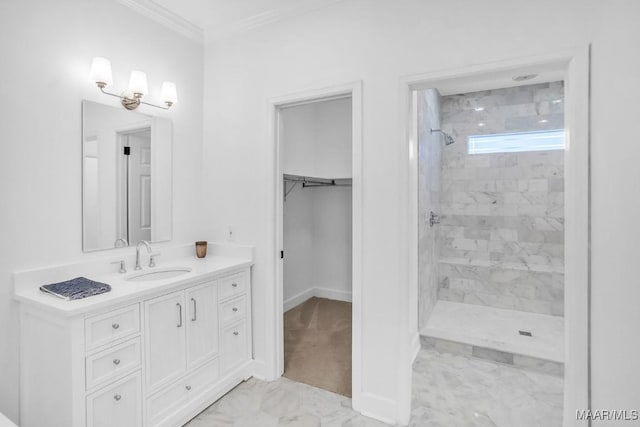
[158, 274]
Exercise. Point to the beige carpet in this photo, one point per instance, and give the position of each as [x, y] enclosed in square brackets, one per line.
[317, 344]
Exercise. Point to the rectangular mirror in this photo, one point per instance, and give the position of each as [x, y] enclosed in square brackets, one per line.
[126, 177]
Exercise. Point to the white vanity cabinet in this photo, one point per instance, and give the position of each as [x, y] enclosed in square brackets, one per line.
[165, 339]
[116, 405]
[202, 323]
[155, 359]
[181, 331]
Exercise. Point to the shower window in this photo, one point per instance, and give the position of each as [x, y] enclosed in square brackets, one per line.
[517, 142]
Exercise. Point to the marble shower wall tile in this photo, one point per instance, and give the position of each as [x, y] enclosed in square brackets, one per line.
[429, 192]
[501, 239]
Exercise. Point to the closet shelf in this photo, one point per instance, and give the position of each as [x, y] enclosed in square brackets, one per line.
[311, 182]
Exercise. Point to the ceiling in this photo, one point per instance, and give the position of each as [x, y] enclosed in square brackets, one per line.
[217, 18]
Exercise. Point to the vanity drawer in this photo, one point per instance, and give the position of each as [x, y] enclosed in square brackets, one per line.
[112, 363]
[232, 285]
[235, 346]
[234, 310]
[111, 326]
[117, 405]
[170, 398]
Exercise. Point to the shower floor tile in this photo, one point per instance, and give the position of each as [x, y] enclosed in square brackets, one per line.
[498, 329]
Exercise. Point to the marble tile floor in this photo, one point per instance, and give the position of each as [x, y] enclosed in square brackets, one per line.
[283, 402]
[497, 329]
[458, 391]
[448, 390]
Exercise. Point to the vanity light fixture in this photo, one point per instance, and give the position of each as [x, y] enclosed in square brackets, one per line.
[101, 75]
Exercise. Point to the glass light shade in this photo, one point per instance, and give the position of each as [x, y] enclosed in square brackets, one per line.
[138, 82]
[101, 71]
[169, 93]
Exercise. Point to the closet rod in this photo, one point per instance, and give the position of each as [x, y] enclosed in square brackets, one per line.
[312, 182]
[305, 180]
[324, 184]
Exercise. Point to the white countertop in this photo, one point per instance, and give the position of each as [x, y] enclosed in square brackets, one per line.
[121, 290]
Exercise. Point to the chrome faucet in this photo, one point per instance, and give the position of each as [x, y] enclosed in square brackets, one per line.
[145, 243]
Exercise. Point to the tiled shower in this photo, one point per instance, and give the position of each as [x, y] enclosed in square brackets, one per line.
[501, 239]
[499, 243]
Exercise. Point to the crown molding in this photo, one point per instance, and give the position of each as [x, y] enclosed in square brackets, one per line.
[165, 17]
[264, 18]
[169, 19]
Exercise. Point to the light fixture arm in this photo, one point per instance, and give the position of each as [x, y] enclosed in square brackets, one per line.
[131, 103]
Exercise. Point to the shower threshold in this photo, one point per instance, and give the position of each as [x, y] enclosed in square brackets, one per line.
[526, 340]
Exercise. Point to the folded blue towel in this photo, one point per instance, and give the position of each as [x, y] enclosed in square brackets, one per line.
[77, 288]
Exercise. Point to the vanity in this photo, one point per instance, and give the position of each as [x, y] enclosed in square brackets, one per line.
[156, 350]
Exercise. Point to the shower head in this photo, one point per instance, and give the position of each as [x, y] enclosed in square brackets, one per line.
[448, 139]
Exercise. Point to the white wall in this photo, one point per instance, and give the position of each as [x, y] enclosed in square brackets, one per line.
[317, 244]
[317, 139]
[615, 204]
[316, 142]
[298, 244]
[47, 49]
[377, 42]
[332, 231]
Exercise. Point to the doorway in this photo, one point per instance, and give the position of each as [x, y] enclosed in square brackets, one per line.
[134, 185]
[343, 194]
[573, 69]
[315, 140]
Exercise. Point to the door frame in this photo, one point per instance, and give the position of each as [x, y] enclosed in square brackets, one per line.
[575, 65]
[275, 229]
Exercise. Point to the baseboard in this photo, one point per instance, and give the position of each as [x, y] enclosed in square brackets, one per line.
[415, 346]
[332, 294]
[298, 299]
[259, 371]
[316, 292]
[378, 407]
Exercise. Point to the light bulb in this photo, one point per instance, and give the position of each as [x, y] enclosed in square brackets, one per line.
[169, 93]
[138, 83]
[101, 72]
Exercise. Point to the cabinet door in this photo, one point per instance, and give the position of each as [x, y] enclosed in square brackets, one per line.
[165, 326]
[202, 323]
[118, 405]
[235, 346]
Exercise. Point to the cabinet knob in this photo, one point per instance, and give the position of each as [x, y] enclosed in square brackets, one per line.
[188, 388]
[116, 361]
[115, 325]
[235, 285]
[234, 309]
[117, 397]
[235, 333]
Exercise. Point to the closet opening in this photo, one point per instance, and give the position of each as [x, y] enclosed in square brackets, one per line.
[315, 140]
